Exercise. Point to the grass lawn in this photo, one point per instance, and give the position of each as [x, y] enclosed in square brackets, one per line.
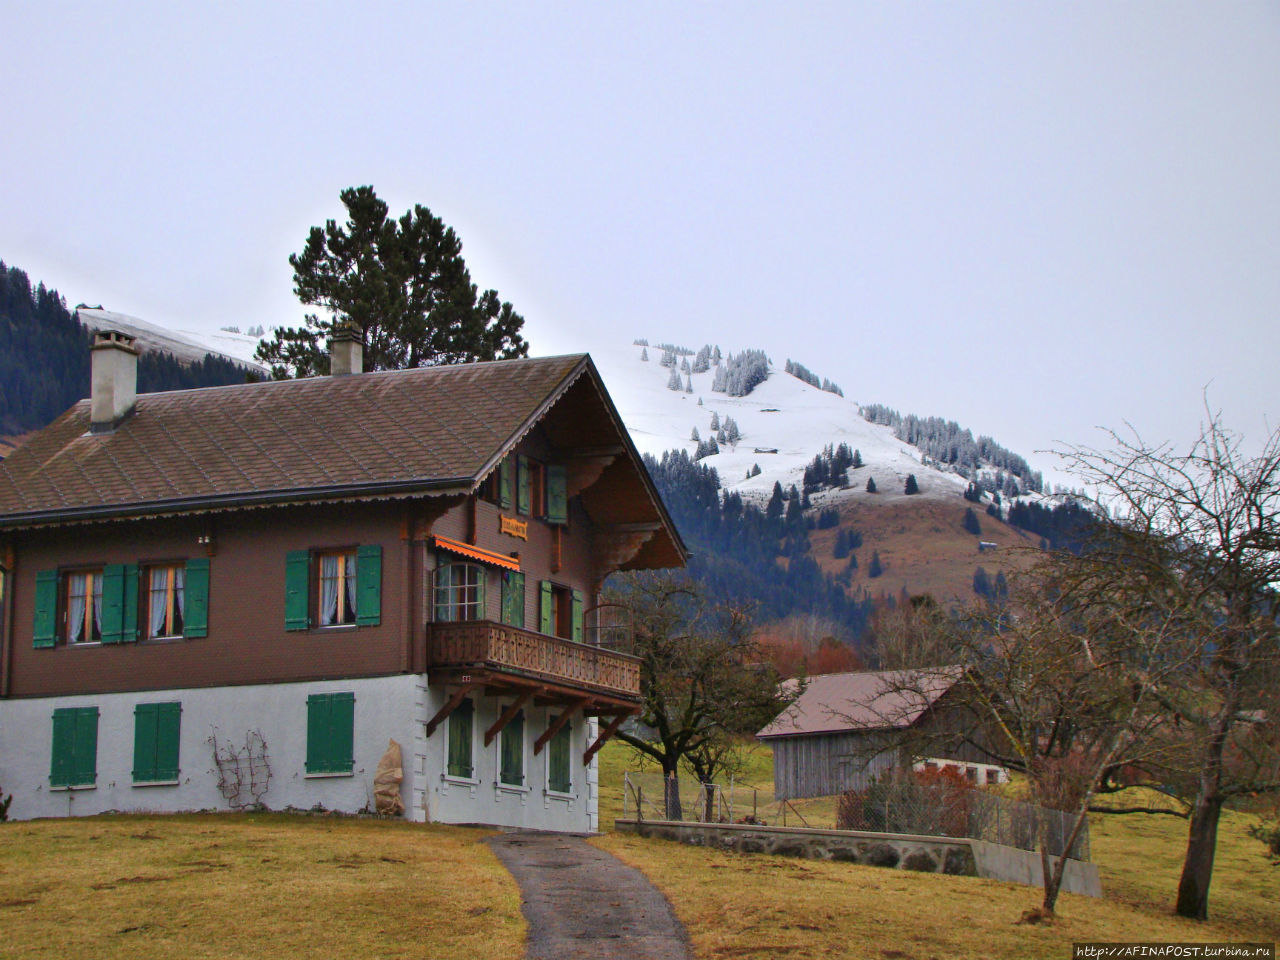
[737, 905]
[253, 885]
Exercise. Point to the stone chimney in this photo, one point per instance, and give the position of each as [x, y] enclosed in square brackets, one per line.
[114, 380]
[346, 350]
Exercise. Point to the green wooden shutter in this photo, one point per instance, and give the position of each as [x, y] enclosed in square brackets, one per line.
[129, 621]
[156, 730]
[62, 767]
[460, 741]
[168, 731]
[442, 578]
[513, 598]
[559, 775]
[545, 623]
[482, 575]
[330, 732]
[369, 585]
[317, 732]
[45, 631]
[297, 583]
[557, 494]
[75, 747]
[512, 751]
[195, 598]
[113, 603]
[578, 607]
[145, 723]
[504, 483]
[523, 499]
[86, 765]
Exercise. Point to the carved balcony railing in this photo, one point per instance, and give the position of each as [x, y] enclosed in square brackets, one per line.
[497, 646]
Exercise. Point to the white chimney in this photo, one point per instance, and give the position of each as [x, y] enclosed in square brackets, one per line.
[346, 350]
[114, 380]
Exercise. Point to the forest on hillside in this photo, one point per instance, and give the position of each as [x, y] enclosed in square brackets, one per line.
[44, 358]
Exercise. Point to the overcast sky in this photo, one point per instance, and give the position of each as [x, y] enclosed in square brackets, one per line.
[1030, 218]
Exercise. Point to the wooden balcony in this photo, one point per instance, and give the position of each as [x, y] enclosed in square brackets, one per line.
[496, 647]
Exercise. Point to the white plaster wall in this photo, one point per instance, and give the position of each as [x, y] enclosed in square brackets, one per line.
[482, 799]
[384, 709]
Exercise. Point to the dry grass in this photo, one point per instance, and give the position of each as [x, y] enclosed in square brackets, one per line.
[255, 885]
[756, 906]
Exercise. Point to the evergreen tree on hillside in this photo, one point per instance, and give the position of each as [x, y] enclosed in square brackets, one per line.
[674, 382]
[694, 435]
[871, 484]
[644, 354]
[971, 522]
[857, 459]
[715, 420]
[774, 509]
[911, 486]
[875, 568]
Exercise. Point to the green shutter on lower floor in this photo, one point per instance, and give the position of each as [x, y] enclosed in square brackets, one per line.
[156, 731]
[297, 582]
[195, 598]
[112, 621]
[330, 732]
[559, 769]
[557, 494]
[44, 633]
[75, 747]
[546, 620]
[579, 607]
[369, 585]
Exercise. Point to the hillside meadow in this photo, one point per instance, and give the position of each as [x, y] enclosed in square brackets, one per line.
[294, 886]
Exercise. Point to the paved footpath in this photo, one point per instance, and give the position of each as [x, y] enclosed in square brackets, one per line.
[581, 902]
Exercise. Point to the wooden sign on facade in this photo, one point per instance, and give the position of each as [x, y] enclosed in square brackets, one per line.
[517, 528]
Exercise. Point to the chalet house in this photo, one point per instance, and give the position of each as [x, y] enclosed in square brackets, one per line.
[845, 729]
[295, 573]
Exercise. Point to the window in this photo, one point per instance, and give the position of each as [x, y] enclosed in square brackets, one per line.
[459, 592]
[330, 733]
[513, 598]
[165, 600]
[331, 588]
[559, 769]
[155, 742]
[75, 747]
[460, 724]
[560, 611]
[82, 606]
[102, 604]
[542, 490]
[993, 776]
[336, 599]
[511, 752]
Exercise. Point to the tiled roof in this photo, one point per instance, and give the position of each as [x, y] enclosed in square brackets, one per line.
[838, 702]
[431, 428]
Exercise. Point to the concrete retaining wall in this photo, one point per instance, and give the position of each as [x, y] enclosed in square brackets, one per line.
[961, 857]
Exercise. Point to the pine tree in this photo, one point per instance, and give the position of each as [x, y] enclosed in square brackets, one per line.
[774, 509]
[715, 355]
[982, 584]
[721, 436]
[715, 420]
[684, 365]
[673, 382]
[403, 283]
[688, 383]
[971, 522]
[644, 354]
[911, 486]
[755, 470]
[731, 430]
[871, 484]
[875, 568]
[694, 435]
[857, 460]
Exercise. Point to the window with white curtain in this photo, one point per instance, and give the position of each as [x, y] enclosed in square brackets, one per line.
[84, 606]
[337, 588]
[165, 600]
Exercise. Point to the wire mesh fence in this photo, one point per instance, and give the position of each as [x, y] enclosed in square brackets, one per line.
[894, 805]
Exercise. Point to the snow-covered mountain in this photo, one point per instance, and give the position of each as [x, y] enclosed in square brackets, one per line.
[784, 423]
[190, 345]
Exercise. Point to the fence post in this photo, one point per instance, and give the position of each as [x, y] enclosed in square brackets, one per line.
[639, 805]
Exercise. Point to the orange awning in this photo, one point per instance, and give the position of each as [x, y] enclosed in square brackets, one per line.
[475, 553]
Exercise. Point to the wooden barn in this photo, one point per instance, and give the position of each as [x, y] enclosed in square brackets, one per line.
[845, 729]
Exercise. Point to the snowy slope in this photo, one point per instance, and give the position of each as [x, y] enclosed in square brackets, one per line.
[183, 344]
[783, 413]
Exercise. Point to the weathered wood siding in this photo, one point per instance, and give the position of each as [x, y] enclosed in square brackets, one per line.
[818, 765]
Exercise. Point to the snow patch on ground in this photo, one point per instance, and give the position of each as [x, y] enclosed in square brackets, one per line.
[191, 345]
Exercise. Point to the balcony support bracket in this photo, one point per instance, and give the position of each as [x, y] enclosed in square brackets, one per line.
[509, 714]
[605, 735]
[558, 723]
[451, 705]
